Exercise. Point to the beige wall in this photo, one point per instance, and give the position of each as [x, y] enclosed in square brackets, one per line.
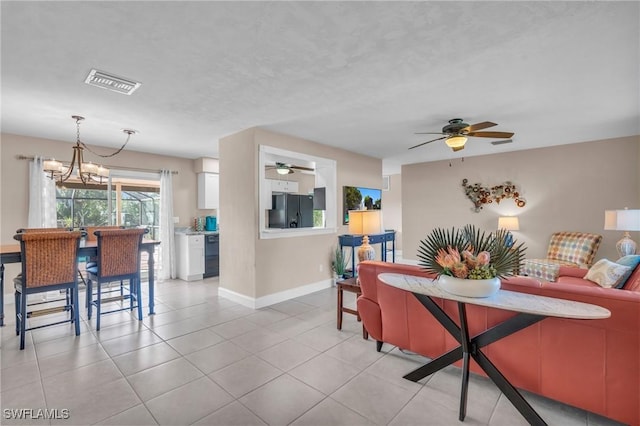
[265, 266]
[14, 178]
[238, 226]
[567, 188]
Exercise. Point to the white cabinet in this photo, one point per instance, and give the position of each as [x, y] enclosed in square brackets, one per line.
[208, 191]
[283, 186]
[190, 254]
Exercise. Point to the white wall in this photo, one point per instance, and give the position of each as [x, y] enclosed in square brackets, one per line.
[392, 207]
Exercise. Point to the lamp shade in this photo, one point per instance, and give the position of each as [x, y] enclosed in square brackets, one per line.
[510, 223]
[610, 220]
[365, 222]
[622, 220]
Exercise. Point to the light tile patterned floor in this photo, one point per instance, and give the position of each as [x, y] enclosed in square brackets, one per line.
[208, 361]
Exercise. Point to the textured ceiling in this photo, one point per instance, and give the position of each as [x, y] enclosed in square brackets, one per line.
[364, 76]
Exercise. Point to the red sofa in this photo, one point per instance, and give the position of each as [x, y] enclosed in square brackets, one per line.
[590, 364]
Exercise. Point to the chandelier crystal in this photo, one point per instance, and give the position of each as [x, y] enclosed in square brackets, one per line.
[86, 172]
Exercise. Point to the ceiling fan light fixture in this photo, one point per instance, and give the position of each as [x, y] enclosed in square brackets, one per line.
[456, 141]
[282, 170]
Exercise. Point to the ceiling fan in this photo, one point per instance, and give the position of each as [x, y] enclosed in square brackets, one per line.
[285, 169]
[456, 133]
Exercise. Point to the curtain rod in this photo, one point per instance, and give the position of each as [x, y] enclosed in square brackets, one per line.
[133, 169]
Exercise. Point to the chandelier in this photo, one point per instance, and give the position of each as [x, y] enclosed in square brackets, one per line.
[86, 172]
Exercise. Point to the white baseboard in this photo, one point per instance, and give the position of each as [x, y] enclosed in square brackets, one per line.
[271, 299]
[243, 300]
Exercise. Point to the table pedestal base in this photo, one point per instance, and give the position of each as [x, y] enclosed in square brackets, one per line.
[470, 347]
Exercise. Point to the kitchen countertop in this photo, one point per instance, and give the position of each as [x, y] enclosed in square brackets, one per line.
[192, 232]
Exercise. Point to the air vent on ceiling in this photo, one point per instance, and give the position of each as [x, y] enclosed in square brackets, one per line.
[111, 82]
[501, 142]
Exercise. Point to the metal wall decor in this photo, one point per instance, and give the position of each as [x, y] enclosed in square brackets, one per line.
[480, 195]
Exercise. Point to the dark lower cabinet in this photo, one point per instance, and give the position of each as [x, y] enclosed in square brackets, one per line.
[211, 255]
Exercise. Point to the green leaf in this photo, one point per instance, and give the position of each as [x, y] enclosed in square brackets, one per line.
[504, 260]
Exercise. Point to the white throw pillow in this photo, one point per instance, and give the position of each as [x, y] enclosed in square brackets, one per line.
[606, 273]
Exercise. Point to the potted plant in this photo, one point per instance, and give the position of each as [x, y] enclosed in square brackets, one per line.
[469, 262]
[338, 264]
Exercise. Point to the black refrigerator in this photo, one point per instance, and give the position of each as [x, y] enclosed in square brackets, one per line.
[291, 211]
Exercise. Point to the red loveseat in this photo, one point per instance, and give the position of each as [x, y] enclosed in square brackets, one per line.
[590, 364]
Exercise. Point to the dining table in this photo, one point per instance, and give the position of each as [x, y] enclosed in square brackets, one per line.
[10, 253]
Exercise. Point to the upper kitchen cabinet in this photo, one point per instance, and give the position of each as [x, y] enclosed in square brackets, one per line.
[283, 186]
[208, 191]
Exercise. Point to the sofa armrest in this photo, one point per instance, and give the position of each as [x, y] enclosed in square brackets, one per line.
[571, 271]
[371, 317]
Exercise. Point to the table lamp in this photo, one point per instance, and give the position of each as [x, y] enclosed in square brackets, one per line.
[623, 220]
[365, 222]
[510, 223]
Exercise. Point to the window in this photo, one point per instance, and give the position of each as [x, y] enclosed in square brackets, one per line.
[77, 207]
[308, 177]
[122, 201]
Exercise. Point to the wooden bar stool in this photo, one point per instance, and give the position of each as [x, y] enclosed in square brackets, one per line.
[353, 286]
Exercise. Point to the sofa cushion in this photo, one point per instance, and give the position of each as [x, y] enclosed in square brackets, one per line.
[632, 261]
[572, 271]
[607, 273]
[568, 279]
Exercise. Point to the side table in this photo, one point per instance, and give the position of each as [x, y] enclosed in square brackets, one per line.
[351, 285]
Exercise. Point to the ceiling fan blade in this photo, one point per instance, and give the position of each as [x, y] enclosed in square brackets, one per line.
[480, 126]
[308, 169]
[490, 134]
[459, 148]
[501, 142]
[424, 143]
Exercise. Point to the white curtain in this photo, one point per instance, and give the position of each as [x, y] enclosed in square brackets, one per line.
[42, 197]
[167, 251]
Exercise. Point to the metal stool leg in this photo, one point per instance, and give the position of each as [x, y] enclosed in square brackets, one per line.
[340, 300]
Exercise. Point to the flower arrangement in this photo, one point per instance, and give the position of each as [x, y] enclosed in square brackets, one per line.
[469, 253]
